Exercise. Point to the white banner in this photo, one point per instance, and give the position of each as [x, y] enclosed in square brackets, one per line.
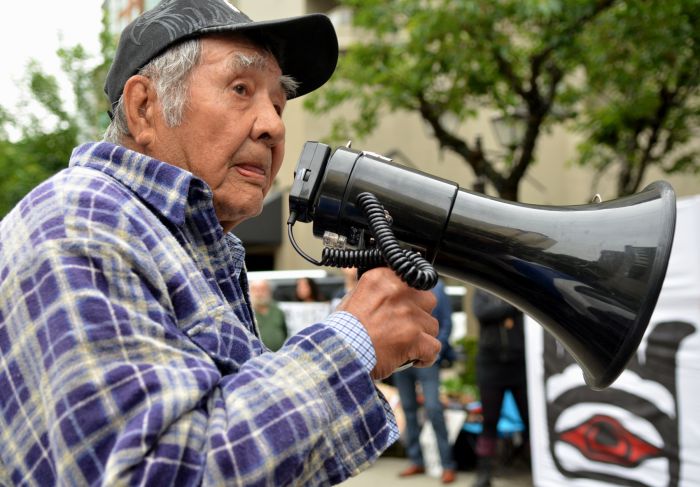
[299, 315]
[644, 430]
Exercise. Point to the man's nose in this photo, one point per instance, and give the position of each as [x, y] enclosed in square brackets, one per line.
[269, 126]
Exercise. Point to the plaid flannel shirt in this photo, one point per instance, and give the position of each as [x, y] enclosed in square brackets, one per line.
[129, 353]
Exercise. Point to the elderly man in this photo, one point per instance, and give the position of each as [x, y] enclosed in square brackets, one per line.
[129, 351]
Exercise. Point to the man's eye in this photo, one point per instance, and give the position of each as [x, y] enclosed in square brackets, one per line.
[240, 89]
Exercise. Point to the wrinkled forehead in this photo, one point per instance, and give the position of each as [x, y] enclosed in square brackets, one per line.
[262, 61]
[244, 53]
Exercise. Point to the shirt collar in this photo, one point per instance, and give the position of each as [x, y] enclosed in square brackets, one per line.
[167, 189]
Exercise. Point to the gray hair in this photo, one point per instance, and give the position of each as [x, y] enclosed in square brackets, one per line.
[170, 74]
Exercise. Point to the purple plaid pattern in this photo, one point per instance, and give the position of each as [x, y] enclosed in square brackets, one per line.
[129, 354]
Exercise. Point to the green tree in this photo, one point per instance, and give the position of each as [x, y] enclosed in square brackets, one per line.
[642, 67]
[530, 59]
[34, 144]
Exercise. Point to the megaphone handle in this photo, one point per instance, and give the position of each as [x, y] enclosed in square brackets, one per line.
[410, 363]
[405, 366]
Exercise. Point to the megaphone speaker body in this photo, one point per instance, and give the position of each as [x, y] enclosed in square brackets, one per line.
[589, 274]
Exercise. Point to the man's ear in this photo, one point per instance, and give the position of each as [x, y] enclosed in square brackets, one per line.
[140, 106]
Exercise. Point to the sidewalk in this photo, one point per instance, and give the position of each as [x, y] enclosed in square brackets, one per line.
[385, 474]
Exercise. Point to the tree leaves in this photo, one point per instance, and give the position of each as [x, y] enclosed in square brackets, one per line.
[609, 65]
[37, 141]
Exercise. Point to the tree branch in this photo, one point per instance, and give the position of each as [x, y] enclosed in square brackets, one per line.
[667, 99]
[474, 157]
[568, 33]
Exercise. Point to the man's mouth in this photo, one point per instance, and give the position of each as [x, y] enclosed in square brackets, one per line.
[251, 171]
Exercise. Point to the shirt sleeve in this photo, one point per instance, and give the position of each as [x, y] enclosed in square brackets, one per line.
[352, 331]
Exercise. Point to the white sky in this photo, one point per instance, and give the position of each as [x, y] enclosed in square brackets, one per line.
[36, 29]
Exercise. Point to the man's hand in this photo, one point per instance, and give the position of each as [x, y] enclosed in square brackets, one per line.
[397, 318]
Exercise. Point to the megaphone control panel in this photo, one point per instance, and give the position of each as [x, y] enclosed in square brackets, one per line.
[307, 179]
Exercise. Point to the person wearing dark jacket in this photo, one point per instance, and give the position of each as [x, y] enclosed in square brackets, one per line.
[428, 380]
[500, 366]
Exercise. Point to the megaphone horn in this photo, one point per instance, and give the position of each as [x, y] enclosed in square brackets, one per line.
[589, 274]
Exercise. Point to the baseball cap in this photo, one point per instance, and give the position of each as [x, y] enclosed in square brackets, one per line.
[306, 47]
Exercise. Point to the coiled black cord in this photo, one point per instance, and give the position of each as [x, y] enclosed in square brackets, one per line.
[362, 259]
[410, 266]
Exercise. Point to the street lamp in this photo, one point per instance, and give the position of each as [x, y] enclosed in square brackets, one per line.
[510, 128]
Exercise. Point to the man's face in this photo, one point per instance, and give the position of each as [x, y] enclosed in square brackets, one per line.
[260, 293]
[232, 134]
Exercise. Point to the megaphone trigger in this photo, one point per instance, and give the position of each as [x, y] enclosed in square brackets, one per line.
[405, 366]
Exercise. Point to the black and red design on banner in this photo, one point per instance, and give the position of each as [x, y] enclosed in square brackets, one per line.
[642, 430]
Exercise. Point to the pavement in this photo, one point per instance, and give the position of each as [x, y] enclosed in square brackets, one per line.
[385, 472]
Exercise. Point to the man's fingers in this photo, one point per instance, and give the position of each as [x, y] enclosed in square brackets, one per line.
[432, 326]
[427, 351]
[425, 299]
[397, 318]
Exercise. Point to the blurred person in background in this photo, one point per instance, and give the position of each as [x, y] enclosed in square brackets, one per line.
[269, 317]
[307, 291]
[500, 366]
[410, 380]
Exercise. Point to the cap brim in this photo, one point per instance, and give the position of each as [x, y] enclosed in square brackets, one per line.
[309, 47]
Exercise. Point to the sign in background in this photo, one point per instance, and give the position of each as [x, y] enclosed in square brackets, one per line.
[299, 315]
[644, 430]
